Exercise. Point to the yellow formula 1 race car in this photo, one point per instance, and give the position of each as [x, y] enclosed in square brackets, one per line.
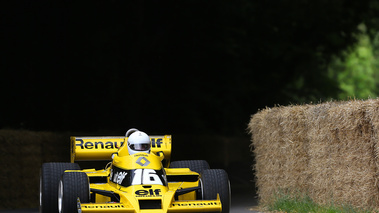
[139, 182]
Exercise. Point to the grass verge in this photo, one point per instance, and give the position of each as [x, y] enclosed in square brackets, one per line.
[300, 204]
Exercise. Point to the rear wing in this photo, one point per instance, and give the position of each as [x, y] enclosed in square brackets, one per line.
[102, 148]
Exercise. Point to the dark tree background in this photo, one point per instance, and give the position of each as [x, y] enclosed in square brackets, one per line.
[167, 66]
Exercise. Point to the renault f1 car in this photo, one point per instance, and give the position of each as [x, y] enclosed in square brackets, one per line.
[141, 182]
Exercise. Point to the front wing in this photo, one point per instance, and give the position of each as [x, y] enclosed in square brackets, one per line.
[175, 206]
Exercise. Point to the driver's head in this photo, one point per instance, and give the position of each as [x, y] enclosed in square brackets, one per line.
[138, 142]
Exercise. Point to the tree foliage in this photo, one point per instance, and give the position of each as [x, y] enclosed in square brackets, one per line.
[356, 69]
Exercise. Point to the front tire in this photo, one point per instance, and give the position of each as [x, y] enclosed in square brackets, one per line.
[72, 186]
[213, 182]
[49, 179]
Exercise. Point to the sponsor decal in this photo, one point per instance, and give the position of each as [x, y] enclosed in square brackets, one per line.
[156, 143]
[148, 193]
[211, 203]
[103, 206]
[142, 161]
[141, 154]
[118, 177]
[98, 144]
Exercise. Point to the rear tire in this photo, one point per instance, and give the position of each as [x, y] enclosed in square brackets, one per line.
[213, 182]
[72, 186]
[49, 179]
[194, 165]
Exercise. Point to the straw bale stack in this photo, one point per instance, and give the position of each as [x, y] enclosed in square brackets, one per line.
[328, 151]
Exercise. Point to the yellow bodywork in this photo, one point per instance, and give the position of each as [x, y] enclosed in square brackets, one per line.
[138, 180]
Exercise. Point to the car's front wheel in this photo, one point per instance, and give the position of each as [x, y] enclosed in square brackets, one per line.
[49, 179]
[72, 186]
[213, 182]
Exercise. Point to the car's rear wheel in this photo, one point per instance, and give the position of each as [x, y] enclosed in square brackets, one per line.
[213, 182]
[194, 165]
[49, 179]
[72, 186]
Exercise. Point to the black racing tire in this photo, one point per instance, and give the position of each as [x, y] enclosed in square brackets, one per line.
[213, 182]
[194, 165]
[72, 186]
[50, 175]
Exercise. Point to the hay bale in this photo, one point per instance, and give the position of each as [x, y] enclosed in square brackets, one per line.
[319, 168]
[328, 151]
[266, 165]
[351, 153]
[280, 153]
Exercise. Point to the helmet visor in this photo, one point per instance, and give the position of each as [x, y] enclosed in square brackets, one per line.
[140, 147]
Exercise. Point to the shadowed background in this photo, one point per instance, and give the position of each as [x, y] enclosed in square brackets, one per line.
[179, 67]
[197, 70]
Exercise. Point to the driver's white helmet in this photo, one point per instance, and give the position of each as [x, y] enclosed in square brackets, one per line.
[138, 142]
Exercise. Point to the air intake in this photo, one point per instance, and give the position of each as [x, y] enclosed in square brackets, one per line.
[150, 204]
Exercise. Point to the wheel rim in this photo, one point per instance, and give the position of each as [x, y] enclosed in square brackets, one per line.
[230, 195]
[60, 196]
[40, 194]
[202, 189]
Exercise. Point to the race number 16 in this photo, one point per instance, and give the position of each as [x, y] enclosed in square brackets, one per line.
[146, 176]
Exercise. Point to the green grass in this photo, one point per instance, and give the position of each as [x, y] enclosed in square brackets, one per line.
[300, 204]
